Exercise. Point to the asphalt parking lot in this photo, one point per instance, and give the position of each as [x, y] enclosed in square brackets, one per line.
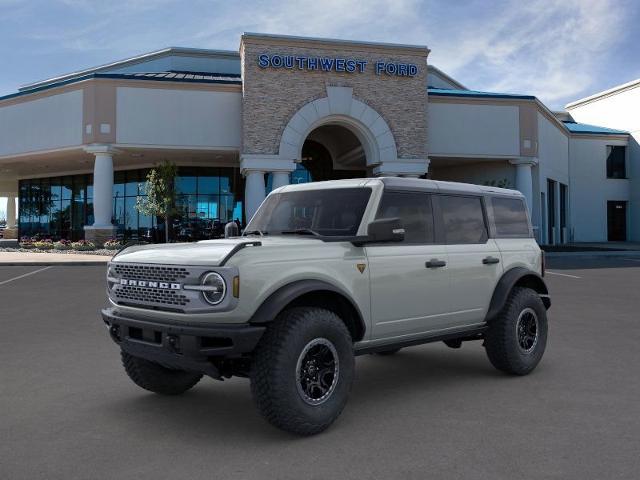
[68, 411]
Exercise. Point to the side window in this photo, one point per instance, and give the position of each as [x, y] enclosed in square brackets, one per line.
[510, 217]
[414, 210]
[463, 219]
[616, 161]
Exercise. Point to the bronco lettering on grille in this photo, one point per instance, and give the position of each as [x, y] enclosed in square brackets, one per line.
[150, 284]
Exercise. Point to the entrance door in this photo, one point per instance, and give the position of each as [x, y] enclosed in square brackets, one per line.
[409, 280]
[617, 221]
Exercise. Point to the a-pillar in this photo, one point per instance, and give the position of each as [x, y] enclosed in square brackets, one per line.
[102, 228]
[524, 178]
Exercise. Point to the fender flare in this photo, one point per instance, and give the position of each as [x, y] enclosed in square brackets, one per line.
[286, 294]
[511, 278]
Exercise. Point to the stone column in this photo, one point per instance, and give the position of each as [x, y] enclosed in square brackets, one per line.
[524, 178]
[280, 179]
[102, 228]
[254, 191]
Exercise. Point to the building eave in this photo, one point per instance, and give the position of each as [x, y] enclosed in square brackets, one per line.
[603, 94]
[115, 76]
[145, 57]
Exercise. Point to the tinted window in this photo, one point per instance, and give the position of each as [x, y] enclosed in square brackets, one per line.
[336, 211]
[616, 167]
[414, 210]
[510, 217]
[463, 219]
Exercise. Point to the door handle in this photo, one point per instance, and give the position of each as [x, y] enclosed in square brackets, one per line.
[490, 260]
[435, 263]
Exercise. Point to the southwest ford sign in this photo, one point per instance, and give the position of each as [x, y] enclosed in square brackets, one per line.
[335, 64]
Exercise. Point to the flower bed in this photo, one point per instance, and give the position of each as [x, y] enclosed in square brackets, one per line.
[113, 244]
[83, 245]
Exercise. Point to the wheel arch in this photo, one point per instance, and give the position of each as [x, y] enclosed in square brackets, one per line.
[316, 293]
[517, 277]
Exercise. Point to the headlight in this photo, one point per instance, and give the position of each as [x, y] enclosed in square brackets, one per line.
[213, 288]
[111, 278]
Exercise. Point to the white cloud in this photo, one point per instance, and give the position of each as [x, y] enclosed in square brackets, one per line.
[554, 49]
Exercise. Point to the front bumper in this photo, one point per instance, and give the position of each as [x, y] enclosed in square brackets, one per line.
[184, 347]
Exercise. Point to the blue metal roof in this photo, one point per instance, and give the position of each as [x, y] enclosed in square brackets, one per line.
[575, 127]
[187, 77]
[444, 92]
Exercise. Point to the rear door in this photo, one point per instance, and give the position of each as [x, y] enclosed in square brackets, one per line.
[475, 263]
[409, 280]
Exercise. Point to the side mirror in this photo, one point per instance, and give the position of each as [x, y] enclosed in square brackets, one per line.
[385, 230]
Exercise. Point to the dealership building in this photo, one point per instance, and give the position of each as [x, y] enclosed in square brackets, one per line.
[75, 149]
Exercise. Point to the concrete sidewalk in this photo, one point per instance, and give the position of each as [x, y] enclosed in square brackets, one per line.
[45, 259]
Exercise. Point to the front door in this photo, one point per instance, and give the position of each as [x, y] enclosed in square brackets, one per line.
[475, 262]
[617, 221]
[409, 280]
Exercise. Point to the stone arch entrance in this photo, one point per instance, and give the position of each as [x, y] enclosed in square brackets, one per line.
[333, 152]
[339, 109]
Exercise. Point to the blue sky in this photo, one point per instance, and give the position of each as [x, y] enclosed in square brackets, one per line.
[558, 50]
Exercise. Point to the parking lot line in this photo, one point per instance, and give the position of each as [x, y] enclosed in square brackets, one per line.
[563, 274]
[25, 275]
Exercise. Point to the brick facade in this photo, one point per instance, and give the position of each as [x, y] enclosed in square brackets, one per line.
[272, 96]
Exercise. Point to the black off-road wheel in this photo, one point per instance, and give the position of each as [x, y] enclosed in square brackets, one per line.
[302, 370]
[156, 378]
[517, 337]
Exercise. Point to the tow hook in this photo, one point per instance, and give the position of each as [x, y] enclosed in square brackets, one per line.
[173, 343]
[114, 331]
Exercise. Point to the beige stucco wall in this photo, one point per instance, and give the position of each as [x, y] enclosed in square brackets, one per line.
[272, 96]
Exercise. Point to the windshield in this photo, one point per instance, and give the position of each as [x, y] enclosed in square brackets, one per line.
[329, 212]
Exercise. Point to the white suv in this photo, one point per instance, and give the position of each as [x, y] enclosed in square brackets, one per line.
[326, 271]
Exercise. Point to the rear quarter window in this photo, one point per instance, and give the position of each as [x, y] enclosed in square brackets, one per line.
[510, 217]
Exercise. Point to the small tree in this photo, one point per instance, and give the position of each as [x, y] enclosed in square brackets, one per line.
[160, 193]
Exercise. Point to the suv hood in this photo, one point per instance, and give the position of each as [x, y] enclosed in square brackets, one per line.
[207, 252]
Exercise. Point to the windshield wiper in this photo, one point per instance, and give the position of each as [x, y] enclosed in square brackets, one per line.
[255, 232]
[301, 231]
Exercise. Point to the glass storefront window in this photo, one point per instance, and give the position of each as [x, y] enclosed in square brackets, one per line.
[59, 207]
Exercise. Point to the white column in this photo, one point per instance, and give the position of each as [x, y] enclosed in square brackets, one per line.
[102, 186]
[280, 179]
[254, 191]
[524, 178]
[11, 211]
[253, 167]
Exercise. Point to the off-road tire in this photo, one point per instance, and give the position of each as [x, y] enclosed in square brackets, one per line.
[502, 341]
[156, 378]
[274, 374]
[386, 353]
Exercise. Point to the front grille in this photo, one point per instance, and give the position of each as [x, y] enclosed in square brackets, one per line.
[151, 272]
[150, 297]
[130, 294]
